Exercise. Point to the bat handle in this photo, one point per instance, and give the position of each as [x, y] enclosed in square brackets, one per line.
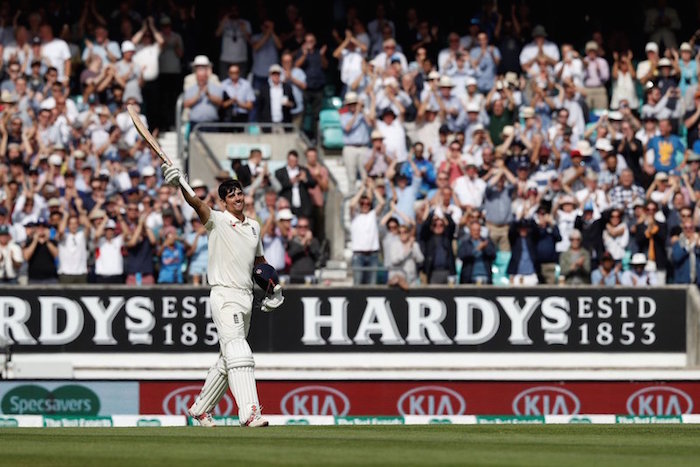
[186, 186]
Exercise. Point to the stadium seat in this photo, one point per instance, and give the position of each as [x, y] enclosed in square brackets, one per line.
[329, 118]
[500, 267]
[626, 260]
[332, 137]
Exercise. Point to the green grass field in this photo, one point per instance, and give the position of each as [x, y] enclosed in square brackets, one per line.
[564, 445]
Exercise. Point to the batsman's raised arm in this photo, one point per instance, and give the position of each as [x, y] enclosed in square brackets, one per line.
[172, 176]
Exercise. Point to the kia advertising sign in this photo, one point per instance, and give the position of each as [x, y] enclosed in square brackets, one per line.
[68, 398]
[439, 398]
[352, 320]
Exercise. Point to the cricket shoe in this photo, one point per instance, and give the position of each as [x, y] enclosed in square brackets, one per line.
[255, 419]
[204, 420]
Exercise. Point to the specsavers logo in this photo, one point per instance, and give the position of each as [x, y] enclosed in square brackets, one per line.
[31, 399]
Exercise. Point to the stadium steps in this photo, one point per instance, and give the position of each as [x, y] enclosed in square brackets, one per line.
[168, 142]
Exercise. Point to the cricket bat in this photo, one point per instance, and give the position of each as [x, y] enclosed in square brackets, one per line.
[153, 143]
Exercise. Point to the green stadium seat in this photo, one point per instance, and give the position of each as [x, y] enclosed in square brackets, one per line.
[626, 261]
[332, 138]
[500, 267]
[329, 118]
[329, 90]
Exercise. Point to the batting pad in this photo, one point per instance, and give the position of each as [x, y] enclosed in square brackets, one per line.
[241, 379]
[215, 386]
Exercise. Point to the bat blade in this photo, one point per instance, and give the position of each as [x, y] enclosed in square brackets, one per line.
[146, 135]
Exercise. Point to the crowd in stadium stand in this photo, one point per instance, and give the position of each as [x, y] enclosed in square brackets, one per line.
[487, 154]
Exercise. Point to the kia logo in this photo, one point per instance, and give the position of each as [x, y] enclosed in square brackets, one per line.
[431, 400]
[179, 400]
[659, 400]
[546, 400]
[315, 400]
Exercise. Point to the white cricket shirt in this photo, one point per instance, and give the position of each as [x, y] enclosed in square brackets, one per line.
[233, 247]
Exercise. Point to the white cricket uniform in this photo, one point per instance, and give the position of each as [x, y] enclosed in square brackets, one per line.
[233, 247]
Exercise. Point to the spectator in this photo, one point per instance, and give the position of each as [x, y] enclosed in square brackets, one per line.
[591, 229]
[304, 251]
[73, 247]
[364, 234]
[436, 236]
[626, 193]
[148, 42]
[11, 258]
[235, 33]
[575, 262]
[469, 188]
[350, 55]
[275, 235]
[624, 78]
[109, 262]
[650, 236]
[203, 98]
[637, 276]
[265, 47]
[522, 268]
[172, 257]
[296, 181]
[616, 235]
[317, 193]
[102, 47]
[139, 242]
[498, 205]
[597, 74]
[56, 53]
[663, 149]
[685, 254]
[403, 257]
[238, 97]
[540, 47]
[485, 59]
[356, 138]
[377, 160]
[477, 253]
[394, 135]
[41, 252]
[313, 62]
[546, 236]
[296, 78]
[276, 99]
[608, 273]
[169, 72]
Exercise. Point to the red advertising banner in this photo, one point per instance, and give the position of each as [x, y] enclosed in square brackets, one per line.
[440, 398]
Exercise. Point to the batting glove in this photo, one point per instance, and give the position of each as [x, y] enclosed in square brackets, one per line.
[171, 175]
[273, 302]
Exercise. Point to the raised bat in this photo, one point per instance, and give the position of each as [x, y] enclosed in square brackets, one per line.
[153, 143]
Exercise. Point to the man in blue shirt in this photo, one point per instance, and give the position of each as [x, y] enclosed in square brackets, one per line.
[203, 98]
[665, 148]
[356, 133]
[485, 59]
[607, 274]
[238, 97]
[425, 167]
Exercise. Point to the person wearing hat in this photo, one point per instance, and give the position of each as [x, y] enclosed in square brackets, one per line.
[666, 148]
[688, 68]
[646, 69]
[623, 81]
[276, 99]
[40, 252]
[596, 75]
[356, 128]
[608, 274]
[539, 46]
[11, 257]
[685, 254]
[203, 98]
[575, 263]
[667, 78]
[450, 105]
[394, 133]
[126, 72]
[109, 264]
[238, 97]
[637, 275]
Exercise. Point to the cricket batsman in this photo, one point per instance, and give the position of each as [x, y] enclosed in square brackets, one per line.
[235, 248]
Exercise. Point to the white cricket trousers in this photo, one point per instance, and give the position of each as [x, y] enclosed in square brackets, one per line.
[231, 311]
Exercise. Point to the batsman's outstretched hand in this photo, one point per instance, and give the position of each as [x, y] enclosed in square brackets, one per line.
[171, 175]
[274, 301]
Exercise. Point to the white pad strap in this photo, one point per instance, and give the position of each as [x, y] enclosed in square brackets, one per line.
[214, 388]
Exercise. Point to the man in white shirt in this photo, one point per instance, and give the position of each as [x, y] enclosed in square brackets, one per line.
[394, 135]
[109, 262]
[72, 248]
[55, 52]
[235, 248]
[540, 47]
[11, 258]
[470, 189]
[647, 69]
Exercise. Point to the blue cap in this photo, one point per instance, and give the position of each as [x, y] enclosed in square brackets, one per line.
[42, 222]
[266, 277]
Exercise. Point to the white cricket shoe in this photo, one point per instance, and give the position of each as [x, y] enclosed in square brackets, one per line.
[204, 420]
[255, 419]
